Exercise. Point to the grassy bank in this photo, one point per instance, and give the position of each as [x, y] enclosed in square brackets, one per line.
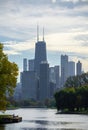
[9, 119]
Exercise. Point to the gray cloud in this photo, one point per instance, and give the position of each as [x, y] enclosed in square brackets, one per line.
[17, 16]
[82, 37]
[18, 19]
[23, 3]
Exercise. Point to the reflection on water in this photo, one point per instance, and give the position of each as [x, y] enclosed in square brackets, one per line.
[47, 129]
[43, 122]
[46, 119]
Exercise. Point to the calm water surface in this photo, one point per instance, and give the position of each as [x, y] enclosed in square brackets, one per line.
[46, 119]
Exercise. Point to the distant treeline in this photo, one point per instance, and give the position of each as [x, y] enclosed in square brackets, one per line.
[49, 103]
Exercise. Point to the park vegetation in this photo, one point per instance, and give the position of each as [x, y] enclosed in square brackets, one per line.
[8, 78]
[30, 103]
[74, 96]
[77, 81]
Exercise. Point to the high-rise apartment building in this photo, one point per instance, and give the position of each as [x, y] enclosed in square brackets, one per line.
[78, 68]
[44, 81]
[64, 69]
[71, 68]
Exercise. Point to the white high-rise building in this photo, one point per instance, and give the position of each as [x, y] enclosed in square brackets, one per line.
[64, 69]
[71, 68]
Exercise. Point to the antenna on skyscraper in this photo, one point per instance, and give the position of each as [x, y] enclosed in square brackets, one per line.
[37, 33]
[43, 33]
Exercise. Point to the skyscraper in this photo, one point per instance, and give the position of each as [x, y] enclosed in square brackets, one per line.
[29, 85]
[71, 68]
[44, 81]
[31, 65]
[57, 76]
[78, 68]
[24, 64]
[52, 75]
[64, 69]
[40, 53]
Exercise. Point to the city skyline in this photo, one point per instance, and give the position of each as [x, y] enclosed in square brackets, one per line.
[66, 29]
[35, 81]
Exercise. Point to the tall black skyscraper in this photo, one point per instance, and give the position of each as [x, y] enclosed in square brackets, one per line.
[29, 85]
[40, 53]
[44, 81]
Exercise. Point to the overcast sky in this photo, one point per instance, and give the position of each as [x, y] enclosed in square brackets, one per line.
[65, 23]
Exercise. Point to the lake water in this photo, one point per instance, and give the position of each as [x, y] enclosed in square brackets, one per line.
[46, 119]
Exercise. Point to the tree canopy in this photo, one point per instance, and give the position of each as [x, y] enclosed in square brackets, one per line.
[72, 98]
[8, 78]
[77, 81]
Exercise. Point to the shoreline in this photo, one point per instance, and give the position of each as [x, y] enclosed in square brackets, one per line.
[84, 113]
[4, 119]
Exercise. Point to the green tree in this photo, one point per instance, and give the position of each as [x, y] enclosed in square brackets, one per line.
[77, 81]
[82, 97]
[8, 78]
[72, 98]
[65, 99]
